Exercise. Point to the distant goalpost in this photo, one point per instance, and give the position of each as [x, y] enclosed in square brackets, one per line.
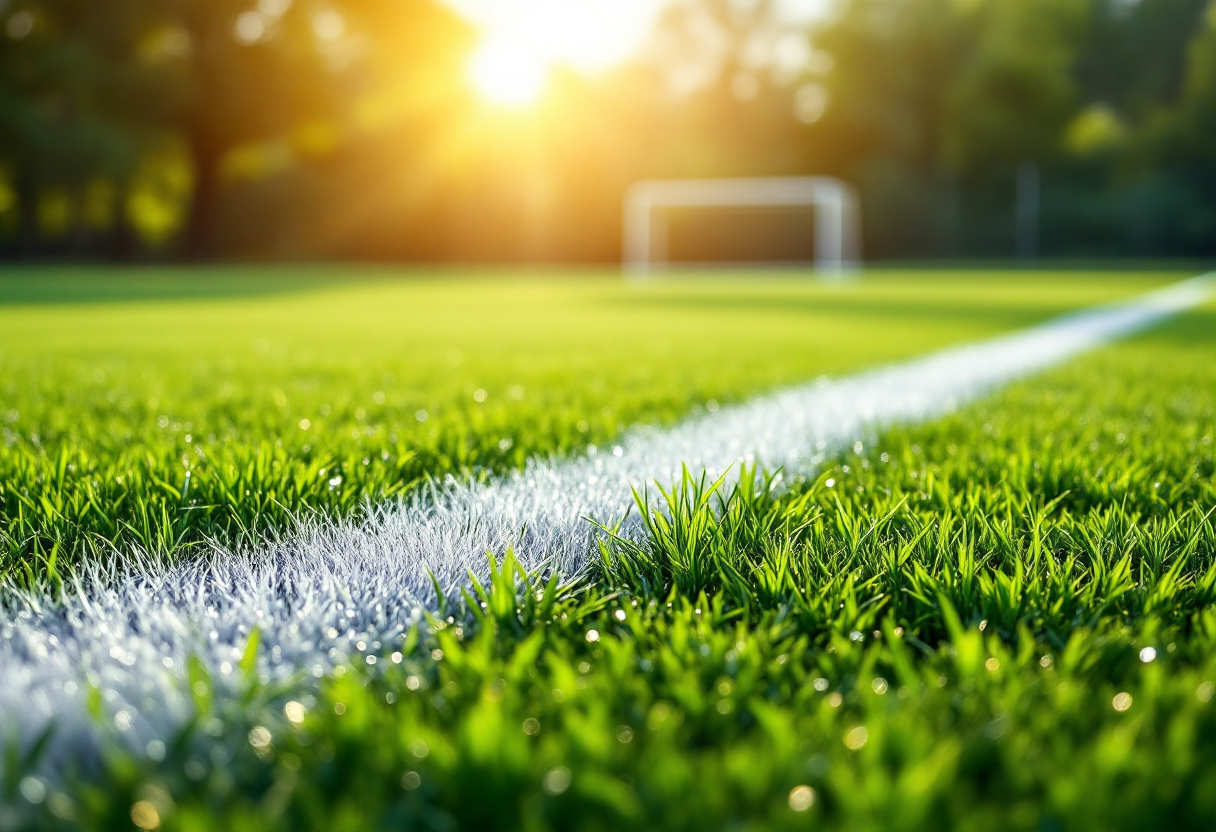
[836, 224]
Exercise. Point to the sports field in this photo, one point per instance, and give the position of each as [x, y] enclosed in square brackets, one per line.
[1003, 617]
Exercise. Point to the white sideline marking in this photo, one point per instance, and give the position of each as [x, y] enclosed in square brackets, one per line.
[131, 633]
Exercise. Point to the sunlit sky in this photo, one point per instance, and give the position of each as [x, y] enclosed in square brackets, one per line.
[523, 40]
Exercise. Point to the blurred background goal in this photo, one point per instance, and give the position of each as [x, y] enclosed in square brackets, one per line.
[772, 220]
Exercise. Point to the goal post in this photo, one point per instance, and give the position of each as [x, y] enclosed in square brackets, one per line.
[836, 224]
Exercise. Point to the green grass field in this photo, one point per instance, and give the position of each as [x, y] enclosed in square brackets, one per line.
[291, 392]
[1005, 619]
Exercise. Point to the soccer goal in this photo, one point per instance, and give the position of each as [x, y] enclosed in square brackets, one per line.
[836, 224]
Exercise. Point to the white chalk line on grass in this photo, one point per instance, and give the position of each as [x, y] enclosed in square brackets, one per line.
[328, 592]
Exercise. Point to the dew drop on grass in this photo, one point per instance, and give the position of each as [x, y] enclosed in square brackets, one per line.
[259, 738]
[557, 780]
[32, 789]
[802, 798]
[144, 815]
[61, 806]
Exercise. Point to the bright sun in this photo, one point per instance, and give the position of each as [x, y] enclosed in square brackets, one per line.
[524, 41]
[508, 76]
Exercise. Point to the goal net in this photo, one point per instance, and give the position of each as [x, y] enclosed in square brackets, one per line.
[835, 225]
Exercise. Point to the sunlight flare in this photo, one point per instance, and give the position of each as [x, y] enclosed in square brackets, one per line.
[524, 42]
[507, 75]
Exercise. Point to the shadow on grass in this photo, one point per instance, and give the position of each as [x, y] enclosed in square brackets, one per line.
[1001, 314]
[36, 285]
[1196, 328]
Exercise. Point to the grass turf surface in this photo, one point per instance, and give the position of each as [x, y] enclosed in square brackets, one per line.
[1003, 619]
[282, 392]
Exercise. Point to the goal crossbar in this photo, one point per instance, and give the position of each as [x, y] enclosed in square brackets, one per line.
[835, 204]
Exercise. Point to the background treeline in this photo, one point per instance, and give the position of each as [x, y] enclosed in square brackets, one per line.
[347, 128]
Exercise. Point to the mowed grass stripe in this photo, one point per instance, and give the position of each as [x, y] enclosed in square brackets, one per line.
[307, 399]
[319, 597]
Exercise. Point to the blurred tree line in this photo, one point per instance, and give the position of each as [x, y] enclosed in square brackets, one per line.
[347, 128]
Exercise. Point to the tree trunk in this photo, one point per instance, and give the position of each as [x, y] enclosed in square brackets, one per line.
[122, 243]
[206, 147]
[30, 241]
[202, 231]
[80, 236]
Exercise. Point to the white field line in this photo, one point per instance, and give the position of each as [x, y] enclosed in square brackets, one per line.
[317, 594]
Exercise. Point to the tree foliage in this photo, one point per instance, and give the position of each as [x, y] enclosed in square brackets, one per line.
[337, 128]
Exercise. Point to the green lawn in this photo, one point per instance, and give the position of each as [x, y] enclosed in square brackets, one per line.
[1005, 619]
[283, 391]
